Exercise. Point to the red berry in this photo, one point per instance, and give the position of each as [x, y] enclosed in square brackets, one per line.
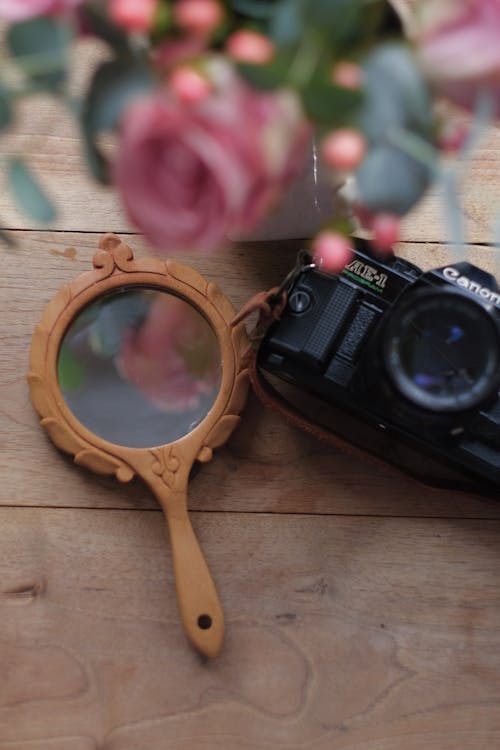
[133, 15]
[363, 215]
[189, 85]
[250, 47]
[344, 149]
[386, 230]
[347, 74]
[452, 136]
[198, 16]
[332, 251]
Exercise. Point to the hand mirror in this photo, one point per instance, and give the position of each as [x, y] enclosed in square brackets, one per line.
[135, 370]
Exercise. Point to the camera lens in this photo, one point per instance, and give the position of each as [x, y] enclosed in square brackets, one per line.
[442, 351]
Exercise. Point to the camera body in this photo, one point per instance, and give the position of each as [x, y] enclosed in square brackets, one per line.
[413, 355]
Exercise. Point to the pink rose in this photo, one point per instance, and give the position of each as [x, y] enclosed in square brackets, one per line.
[190, 173]
[173, 358]
[459, 44]
[21, 10]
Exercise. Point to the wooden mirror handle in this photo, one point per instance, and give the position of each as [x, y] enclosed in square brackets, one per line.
[199, 604]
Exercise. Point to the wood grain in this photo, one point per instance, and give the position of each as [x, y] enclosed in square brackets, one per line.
[362, 610]
[267, 466]
[340, 635]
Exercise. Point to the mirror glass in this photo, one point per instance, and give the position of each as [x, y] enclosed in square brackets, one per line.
[140, 367]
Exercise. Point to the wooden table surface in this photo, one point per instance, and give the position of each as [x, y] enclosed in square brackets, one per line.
[362, 611]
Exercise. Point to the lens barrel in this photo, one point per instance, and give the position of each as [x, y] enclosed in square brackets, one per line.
[441, 350]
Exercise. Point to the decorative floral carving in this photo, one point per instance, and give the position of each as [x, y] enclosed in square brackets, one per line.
[219, 300]
[104, 262]
[114, 255]
[187, 275]
[227, 424]
[222, 430]
[166, 464]
[239, 393]
[104, 463]
[205, 455]
[61, 435]
[39, 393]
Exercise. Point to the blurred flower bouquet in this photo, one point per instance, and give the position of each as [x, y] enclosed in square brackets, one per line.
[214, 104]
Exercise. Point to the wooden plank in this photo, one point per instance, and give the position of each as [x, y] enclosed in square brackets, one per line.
[268, 465]
[48, 138]
[372, 634]
[478, 197]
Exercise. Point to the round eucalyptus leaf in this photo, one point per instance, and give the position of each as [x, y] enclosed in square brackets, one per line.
[5, 109]
[390, 180]
[396, 96]
[113, 86]
[28, 193]
[40, 47]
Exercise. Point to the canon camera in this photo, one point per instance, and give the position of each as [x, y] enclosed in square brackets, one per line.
[410, 354]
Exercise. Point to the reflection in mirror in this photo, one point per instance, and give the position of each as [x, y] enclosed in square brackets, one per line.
[140, 367]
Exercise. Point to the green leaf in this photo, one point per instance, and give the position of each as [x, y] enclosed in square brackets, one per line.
[454, 215]
[28, 193]
[256, 9]
[70, 372]
[40, 47]
[5, 109]
[391, 180]
[330, 105]
[338, 18]
[95, 19]
[341, 224]
[397, 96]
[162, 22]
[96, 162]
[270, 76]
[112, 88]
[287, 23]
[340, 22]
[390, 22]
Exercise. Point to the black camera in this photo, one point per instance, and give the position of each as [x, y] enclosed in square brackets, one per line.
[402, 353]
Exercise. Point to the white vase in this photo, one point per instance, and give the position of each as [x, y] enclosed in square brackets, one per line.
[310, 201]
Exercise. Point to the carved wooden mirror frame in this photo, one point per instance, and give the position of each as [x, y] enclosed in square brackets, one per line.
[165, 468]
